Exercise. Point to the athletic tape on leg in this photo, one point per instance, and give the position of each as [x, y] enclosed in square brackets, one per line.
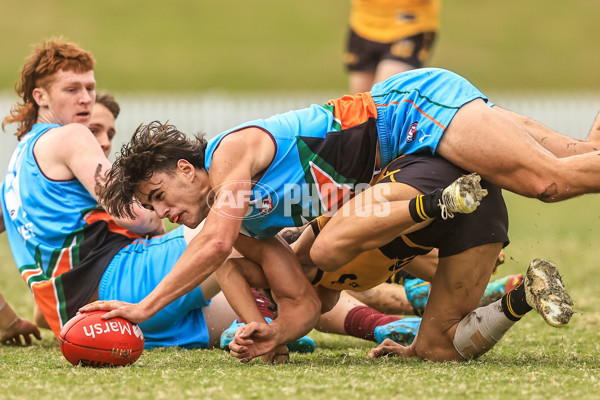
[481, 330]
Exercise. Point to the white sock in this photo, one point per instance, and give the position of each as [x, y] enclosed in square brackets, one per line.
[481, 330]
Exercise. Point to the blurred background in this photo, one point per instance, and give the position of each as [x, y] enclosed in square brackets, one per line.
[208, 65]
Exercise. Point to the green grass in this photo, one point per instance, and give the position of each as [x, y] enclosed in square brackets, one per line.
[273, 45]
[532, 361]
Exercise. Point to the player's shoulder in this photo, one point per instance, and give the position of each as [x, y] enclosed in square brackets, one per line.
[73, 132]
[245, 142]
[74, 128]
[63, 140]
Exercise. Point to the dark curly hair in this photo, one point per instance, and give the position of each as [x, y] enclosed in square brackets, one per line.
[154, 147]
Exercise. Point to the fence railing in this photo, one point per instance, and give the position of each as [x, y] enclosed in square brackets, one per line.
[569, 113]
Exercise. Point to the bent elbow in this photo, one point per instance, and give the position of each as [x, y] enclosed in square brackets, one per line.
[220, 249]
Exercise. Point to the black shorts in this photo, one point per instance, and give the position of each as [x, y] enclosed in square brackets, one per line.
[487, 224]
[365, 55]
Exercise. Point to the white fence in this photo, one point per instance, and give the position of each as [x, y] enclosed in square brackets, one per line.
[211, 113]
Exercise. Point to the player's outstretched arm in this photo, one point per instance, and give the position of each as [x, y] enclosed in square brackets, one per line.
[203, 255]
[232, 170]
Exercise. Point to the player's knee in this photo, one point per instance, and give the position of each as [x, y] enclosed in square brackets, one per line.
[546, 188]
[324, 257]
[549, 192]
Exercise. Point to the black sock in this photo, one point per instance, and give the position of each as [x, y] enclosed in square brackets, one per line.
[514, 304]
[425, 206]
[400, 276]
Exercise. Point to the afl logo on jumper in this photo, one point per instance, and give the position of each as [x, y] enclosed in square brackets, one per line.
[266, 205]
[412, 132]
[239, 194]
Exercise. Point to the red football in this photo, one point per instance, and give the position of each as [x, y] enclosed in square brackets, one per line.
[91, 341]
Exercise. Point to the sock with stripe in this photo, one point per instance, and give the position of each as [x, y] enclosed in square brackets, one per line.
[424, 207]
[361, 322]
[514, 304]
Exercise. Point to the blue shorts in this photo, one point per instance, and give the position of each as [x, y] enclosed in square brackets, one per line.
[414, 109]
[136, 270]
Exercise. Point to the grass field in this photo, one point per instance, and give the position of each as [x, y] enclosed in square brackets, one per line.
[533, 361]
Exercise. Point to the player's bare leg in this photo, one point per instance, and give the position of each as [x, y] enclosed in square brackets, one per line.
[485, 141]
[386, 298]
[459, 283]
[336, 245]
[333, 320]
[444, 337]
[557, 144]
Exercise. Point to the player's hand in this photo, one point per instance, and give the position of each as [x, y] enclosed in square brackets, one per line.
[19, 333]
[253, 340]
[132, 312]
[390, 348]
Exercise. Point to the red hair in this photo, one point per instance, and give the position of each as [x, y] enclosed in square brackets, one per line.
[40, 66]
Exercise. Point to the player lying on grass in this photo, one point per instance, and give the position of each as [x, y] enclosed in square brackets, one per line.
[376, 318]
[269, 174]
[173, 149]
[468, 248]
[370, 270]
[238, 275]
